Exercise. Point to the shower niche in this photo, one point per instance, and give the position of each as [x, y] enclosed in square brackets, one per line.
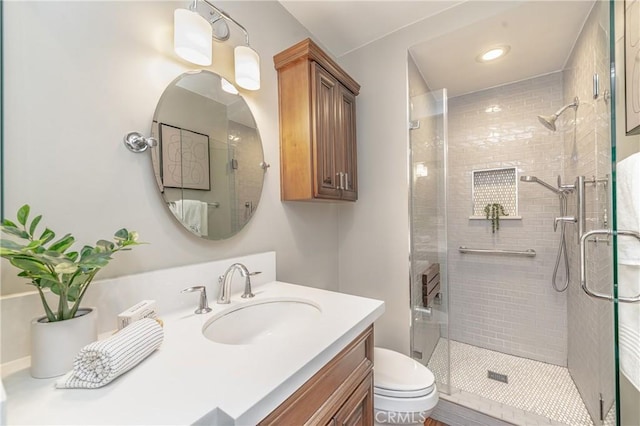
[494, 191]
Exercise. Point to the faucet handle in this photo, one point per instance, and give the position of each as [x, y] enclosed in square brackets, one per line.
[247, 285]
[203, 307]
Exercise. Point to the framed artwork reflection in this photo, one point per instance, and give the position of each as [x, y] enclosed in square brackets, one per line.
[185, 158]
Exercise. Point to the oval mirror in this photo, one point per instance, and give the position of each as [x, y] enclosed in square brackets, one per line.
[208, 163]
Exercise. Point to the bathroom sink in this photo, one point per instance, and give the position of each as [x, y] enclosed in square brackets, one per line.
[255, 322]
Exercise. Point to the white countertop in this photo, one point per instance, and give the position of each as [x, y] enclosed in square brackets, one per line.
[193, 380]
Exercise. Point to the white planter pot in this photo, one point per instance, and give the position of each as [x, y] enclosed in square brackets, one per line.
[54, 345]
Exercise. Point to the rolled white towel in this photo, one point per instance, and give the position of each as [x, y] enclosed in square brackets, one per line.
[98, 363]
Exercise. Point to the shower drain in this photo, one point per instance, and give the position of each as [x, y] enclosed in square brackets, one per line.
[497, 376]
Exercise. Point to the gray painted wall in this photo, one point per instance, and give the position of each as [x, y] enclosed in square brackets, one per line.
[78, 76]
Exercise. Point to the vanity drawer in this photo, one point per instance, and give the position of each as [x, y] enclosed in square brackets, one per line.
[319, 400]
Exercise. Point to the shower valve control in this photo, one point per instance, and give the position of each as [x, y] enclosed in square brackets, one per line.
[564, 219]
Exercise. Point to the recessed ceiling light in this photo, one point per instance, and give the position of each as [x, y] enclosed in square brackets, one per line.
[493, 54]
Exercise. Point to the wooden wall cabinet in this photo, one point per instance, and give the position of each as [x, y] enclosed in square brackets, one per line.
[341, 393]
[317, 105]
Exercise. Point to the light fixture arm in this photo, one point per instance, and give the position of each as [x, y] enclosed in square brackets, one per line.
[225, 16]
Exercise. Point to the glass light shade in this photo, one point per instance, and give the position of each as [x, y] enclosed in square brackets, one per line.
[247, 67]
[228, 87]
[192, 37]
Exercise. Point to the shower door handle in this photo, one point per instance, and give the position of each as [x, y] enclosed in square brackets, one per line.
[583, 264]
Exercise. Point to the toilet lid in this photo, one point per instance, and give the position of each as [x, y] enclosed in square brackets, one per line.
[395, 374]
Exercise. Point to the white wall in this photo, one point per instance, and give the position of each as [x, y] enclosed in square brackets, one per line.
[374, 232]
[78, 76]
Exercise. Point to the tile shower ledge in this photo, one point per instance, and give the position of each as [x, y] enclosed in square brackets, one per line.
[193, 380]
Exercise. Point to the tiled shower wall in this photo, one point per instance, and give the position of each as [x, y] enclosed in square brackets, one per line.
[507, 303]
[245, 182]
[588, 153]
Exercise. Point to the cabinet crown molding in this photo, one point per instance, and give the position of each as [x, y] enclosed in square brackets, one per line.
[308, 50]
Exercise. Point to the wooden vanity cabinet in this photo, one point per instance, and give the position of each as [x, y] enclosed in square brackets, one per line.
[341, 393]
[317, 106]
[358, 410]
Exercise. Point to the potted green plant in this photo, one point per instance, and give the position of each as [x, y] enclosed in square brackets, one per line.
[48, 265]
[493, 213]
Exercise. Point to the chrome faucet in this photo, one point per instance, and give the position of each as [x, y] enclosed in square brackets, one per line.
[225, 282]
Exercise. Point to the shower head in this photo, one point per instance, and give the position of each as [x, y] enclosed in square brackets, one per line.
[541, 182]
[549, 121]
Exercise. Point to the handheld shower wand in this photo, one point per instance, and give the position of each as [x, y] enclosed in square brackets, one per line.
[562, 192]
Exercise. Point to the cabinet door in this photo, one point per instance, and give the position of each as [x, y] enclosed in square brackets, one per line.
[324, 93]
[358, 410]
[346, 143]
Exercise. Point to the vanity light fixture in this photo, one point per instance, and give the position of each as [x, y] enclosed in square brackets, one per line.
[493, 54]
[192, 37]
[189, 45]
[247, 66]
[228, 87]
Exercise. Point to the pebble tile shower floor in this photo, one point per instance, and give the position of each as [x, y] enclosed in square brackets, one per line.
[544, 389]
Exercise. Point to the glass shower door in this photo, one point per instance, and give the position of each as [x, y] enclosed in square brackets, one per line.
[428, 220]
[626, 217]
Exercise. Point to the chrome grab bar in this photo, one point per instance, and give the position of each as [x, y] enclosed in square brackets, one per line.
[527, 253]
[583, 264]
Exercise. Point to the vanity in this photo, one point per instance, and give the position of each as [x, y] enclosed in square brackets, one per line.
[317, 369]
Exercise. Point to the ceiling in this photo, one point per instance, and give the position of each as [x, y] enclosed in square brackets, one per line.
[541, 35]
[342, 25]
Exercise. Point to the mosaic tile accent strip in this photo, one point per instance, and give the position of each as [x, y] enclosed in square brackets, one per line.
[535, 387]
[495, 186]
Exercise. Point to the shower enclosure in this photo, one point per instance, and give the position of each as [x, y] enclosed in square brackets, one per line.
[504, 199]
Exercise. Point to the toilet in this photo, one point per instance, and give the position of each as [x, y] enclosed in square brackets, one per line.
[404, 391]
